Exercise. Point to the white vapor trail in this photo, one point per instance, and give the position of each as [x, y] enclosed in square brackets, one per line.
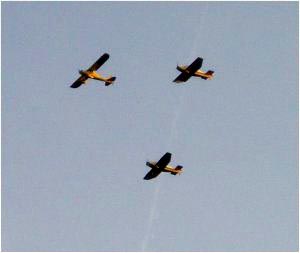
[173, 134]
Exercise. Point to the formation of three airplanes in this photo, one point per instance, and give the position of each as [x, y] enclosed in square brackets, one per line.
[186, 72]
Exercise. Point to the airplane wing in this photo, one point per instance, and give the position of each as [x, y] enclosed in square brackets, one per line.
[190, 70]
[152, 174]
[160, 165]
[183, 77]
[79, 81]
[195, 65]
[99, 62]
[164, 161]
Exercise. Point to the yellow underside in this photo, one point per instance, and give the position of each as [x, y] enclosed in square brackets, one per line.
[96, 76]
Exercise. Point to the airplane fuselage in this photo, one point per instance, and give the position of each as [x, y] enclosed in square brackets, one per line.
[168, 168]
[198, 73]
[92, 75]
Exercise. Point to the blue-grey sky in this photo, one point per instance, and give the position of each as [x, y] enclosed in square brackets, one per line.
[73, 160]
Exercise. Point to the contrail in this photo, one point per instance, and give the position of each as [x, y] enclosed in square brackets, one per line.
[153, 210]
[151, 216]
[177, 112]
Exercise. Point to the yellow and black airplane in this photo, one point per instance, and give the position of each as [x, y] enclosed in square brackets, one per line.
[162, 166]
[192, 70]
[91, 73]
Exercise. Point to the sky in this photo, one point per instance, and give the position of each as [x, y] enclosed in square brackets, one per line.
[73, 160]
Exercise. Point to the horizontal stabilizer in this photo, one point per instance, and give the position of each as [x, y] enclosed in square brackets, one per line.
[178, 167]
[210, 72]
[110, 80]
[208, 75]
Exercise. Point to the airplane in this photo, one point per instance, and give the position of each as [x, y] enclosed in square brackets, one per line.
[91, 73]
[162, 166]
[193, 70]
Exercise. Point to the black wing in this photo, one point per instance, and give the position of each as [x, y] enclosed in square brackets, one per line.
[195, 66]
[164, 161]
[78, 82]
[159, 166]
[152, 173]
[183, 77]
[99, 62]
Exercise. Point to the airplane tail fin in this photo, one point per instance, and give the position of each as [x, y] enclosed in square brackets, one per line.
[110, 80]
[179, 168]
[210, 73]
